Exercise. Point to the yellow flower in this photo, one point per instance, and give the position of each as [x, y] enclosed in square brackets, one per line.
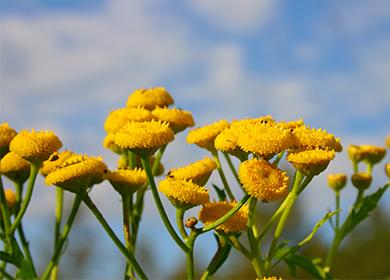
[54, 161]
[263, 180]
[361, 180]
[369, 153]
[10, 197]
[109, 143]
[387, 169]
[184, 194]
[150, 98]
[14, 167]
[77, 173]
[212, 211]
[144, 137]
[337, 181]
[204, 136]
[388, 141]
[118, 118]
[291, 125]
[272, 278]
[177, 119]
[311, 162]
[199, 172]
[126, 181]
[35, 146]
[307, 138]
[6, 135]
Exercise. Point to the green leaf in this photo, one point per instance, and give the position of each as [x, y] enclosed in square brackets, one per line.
[312, 266]
[7, 257]
[220, 192]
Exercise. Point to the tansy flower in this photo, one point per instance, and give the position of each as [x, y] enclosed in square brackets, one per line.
[272, 278]
[14, 167]
[307, 138]
[211, 212]
[144, 137]
[77, 173]
[263, 180]
[337, 181]
[10, 197]
[35, 146]
[177, 119]
[291, 125]
[118, 118]
[184, 194]
[6, 135]
[204, 136]
[109, 143]
[199, 172]
[387, 169]
[369, 153]
[387, 141]
[226, 142]
[311, 162]
[361, 180]
[54, 161]
[150, 98]
[126, 181]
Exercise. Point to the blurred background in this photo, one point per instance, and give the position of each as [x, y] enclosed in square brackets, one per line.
[65, 64]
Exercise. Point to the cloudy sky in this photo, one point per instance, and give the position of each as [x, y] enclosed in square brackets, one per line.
[64, 65]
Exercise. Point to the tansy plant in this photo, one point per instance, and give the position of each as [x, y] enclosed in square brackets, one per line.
[139, 134]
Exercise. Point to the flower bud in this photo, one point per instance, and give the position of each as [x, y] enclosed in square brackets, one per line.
[337, 181]
[361, 180]
[387, 169]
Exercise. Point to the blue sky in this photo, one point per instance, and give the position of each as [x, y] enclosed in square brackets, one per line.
[66, 64]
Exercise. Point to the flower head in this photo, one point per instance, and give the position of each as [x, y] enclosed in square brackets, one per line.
[55, 160]
[199, 171]
[150, 98]
[77, 173]
[204, 136]
[35, 146]
[311, 162]
[337, 181]
[361, 180]
[144, 137]
[272, 278]
[177, 119]
[212, 211]
[307, 138]
[14, 167]
[118, 118]
[109, 143]
[387, 141]
[387, 169]
[6, 135]
[184, 194]
[291, 125]
[369, 153]
[263, 180]
[10, 197]
[126, 181]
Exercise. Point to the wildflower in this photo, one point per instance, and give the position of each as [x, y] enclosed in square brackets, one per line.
[144, 137]
[54, 161]
[291, 125]
[212, 211]
[177, 119]
[77, 173]
[6, 135]
[388, 141]
[272, 278]
[204, 136]
[226, 142]
[14, 167]
[199, 171]
[35, 146]
[387, 169]
[126, 181]
[109, 143]
[263, 180]
[337, 181]
[369, 153]
[149, 98]
[307, 138]
[10, 197]
[118, 118]
[184, 194]
[361, 180]
[311, 162]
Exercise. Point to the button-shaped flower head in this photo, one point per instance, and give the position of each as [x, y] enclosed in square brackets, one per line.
[184, 194]
[337, 181]
[119, 117]
[263, 180]
[368, 153]
[149, 98]
[311, 162]
[307, 138]
[199, 172]
[144, 138]
[212, 211]
[177, 119]
[77, 173]
[14, 167]
[361, 180]
[35, 146]
[204, 136]
[6, 135]
[126, 181]
[55, 160]
[10, 197]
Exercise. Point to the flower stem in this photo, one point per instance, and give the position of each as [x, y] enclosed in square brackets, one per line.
[337, 208]
[179, 222]
[57, 226]
[30, 187]
[160, 207]
[129, 256]
[5, 215]
[219, 257]
[126, 199]
[255, 256]
[131, 159]
[232, 168]
[222, 175]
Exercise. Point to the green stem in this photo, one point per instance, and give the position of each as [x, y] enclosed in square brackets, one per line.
[5, 215]
[179, 222]
[126, 232]
[190, 264]
[129, 256]
[232, 168]
[30, 187]
[6, 275]
[157, 159]
[239, 246]
[227, 216]
[218, 259]
[278, 158]
[62, 238]
[131, 159]
[57, 226]
[222, 175]
[355, 167]
[333, 250]
[160, 207]
[337, 208]
[255, 256]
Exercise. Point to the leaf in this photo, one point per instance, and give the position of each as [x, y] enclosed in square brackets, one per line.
[310, 265]
[7, 257]
[220, 192]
